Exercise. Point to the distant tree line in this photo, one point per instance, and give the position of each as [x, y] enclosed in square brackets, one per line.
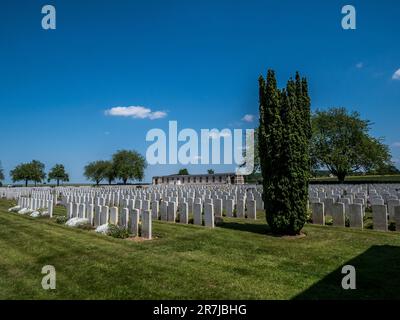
[35, 171]
[124, 165]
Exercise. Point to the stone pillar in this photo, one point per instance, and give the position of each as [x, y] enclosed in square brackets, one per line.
[124, 218]
[97, 215]
[82, 211]
[138, 204]
[134, 222]
[391, 204]
[328, 205]
[337, 211]
[240, 209]
[171, 211]
[114, 215]
[154, 210]
[50, 207]
[218, 207]
[356, 215]
[76, 210]
[104, 215]
[251, 209]
[379, 217]
[184, 212]
[197, 214]
[318, 214]
[229, 208]
[90, 213]
[163, 210]
[146, 205]
[209, 215]
[70, 210]
[146, 224]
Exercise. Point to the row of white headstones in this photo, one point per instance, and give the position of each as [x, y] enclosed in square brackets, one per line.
[123, 205]
[126, 212]
[127, 206]
[350, 201]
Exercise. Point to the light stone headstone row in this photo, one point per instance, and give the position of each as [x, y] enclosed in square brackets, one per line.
[34, 204]
[98, 215]
[380, 215]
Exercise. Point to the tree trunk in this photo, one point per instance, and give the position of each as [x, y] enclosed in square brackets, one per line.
[125, 181]
[26, 183]
[58, 182]
[341, 176]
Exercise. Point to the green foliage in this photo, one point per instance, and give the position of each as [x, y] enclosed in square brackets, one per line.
[210, 171]
[96, 170]
[283, 145]
[385, 169]
[61, 219]
[32, 171]
[128, 165]
[183, 172]
[342, 144]
[117, 232]
[109, 172]
[58, 173]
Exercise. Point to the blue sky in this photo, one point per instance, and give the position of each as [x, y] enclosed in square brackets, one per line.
[196, 61]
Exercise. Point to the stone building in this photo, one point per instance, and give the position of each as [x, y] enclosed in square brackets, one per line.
[215, 178]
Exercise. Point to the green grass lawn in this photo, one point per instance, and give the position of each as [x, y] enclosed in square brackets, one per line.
[237, 260]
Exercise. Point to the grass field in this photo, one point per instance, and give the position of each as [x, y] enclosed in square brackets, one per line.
[237, 260]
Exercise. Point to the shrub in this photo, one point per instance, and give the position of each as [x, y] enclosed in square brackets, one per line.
[392, 226]
[117, 232]
[328, 220]
[309, 216]
[61, 219]
[368, 224]
[284, 150]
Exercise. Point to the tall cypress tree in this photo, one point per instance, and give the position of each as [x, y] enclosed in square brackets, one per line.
[284, 136]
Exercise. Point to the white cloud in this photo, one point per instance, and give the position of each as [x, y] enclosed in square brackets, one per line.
[396, 144]
[359, 65]
[137, 112]
[396, 75]
[248, 118]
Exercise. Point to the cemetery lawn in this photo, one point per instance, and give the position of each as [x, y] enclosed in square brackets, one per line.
[237, 260]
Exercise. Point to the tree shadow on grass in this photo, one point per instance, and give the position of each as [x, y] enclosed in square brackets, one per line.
[248, 227]
[377, 277]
